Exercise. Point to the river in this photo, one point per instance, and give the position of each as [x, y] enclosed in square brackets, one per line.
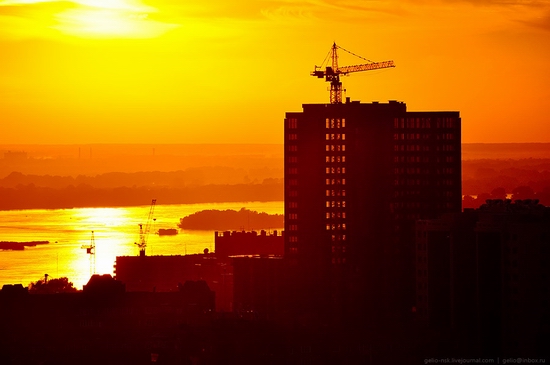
[115, 232]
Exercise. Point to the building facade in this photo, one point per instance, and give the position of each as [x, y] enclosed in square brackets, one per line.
[357, 177]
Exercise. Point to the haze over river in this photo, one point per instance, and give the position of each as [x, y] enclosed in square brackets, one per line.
[115, 230]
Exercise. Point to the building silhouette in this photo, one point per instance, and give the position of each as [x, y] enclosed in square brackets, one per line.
[483, 278]
[357, 177]
[165, 273]
[446, 292]
[104, 324]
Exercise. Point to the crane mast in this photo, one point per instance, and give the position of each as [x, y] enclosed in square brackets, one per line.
[332, 73]
[144, 233]
[90, 250]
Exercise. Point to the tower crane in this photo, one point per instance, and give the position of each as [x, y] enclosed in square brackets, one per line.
[332, 73]
[90, 250]
[144, 233]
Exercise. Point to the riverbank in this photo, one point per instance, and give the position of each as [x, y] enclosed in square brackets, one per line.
[10, 245]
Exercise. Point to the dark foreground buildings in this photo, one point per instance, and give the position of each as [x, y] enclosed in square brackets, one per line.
[483, 279]
[357, 177]
[104, 324]
[165, 273]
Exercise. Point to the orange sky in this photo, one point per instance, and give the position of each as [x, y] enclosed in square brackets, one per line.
[159, 71]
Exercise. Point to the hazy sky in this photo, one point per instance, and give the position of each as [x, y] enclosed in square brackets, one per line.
[129, 71]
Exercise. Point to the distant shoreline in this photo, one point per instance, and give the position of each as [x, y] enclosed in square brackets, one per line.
[85, 196]
[19, 246]
[230, 220]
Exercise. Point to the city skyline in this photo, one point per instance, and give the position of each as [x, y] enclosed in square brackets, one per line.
[154, 72]
[281, 228]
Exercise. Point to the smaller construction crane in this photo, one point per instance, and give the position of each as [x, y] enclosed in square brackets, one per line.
[144, 233]
[332, 73]
[90, 250]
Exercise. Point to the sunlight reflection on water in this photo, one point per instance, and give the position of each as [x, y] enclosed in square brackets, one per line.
[115, 230]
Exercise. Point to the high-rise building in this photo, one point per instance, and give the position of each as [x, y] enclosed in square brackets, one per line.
[357, 177]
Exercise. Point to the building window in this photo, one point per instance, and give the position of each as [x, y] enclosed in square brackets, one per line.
[292, 123]
[292, 136]
[293, 148]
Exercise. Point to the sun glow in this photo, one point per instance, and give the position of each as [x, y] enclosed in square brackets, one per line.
[108, 22]
[114, 234]
[98, 18]
[102, 217]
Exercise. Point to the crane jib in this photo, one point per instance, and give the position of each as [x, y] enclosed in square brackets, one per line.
[366, 67]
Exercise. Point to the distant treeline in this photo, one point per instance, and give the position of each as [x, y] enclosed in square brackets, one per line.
[35, 197]
[482, 176]
[175, 179]
[518, 179]
[520, 193]
[502, 179]
[230, 220]
[95, 159]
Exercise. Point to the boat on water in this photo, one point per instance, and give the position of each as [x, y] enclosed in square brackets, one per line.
[167, 231]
